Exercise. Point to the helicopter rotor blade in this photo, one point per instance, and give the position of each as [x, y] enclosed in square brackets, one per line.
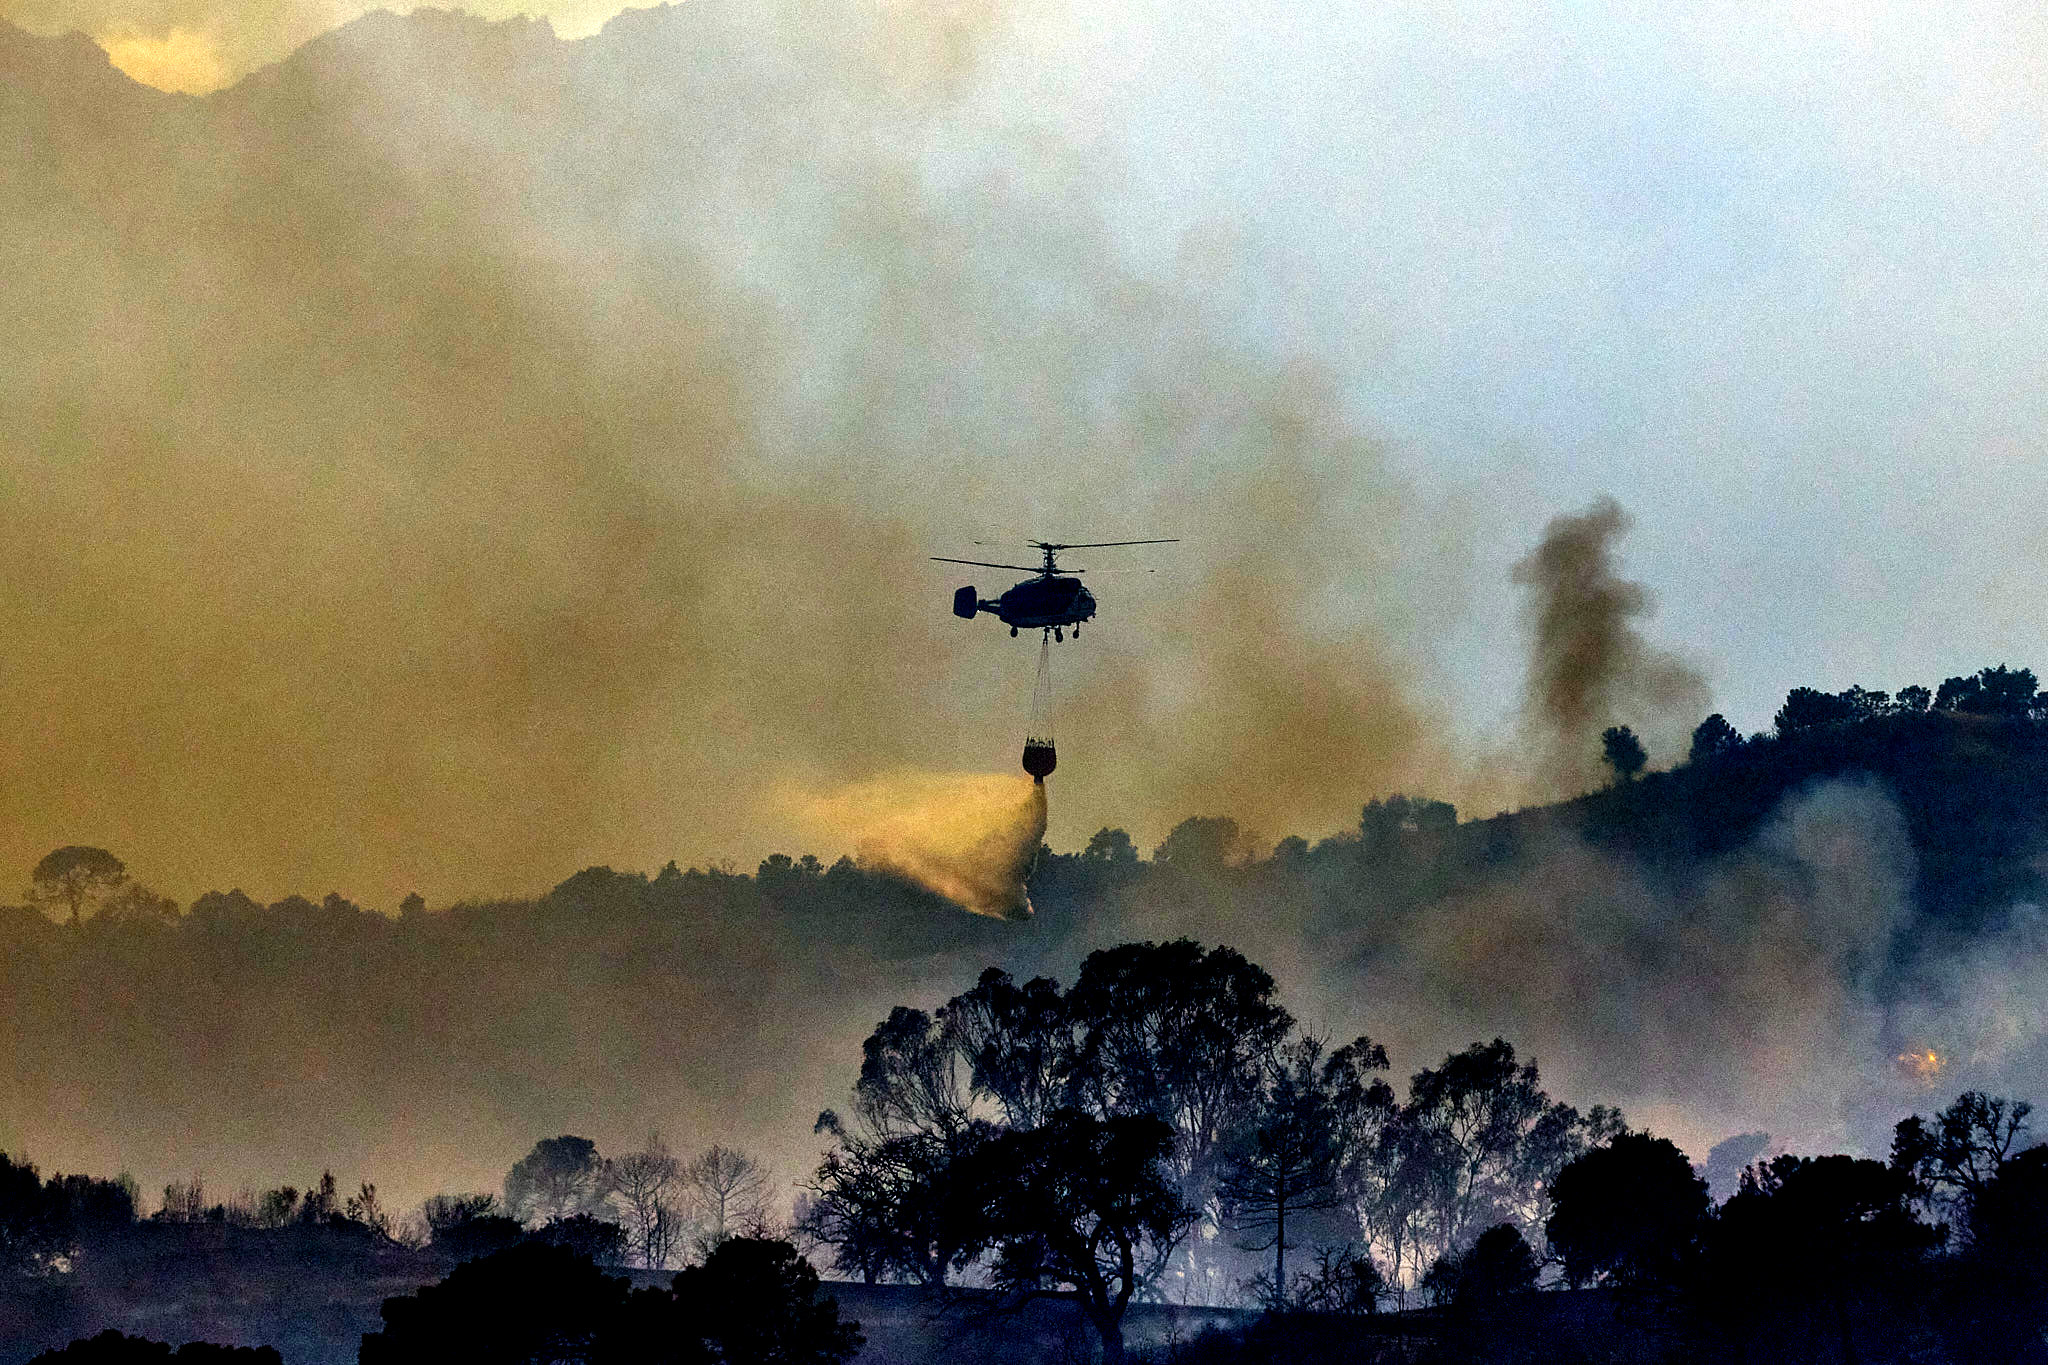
[1103, 544]
[983, 563]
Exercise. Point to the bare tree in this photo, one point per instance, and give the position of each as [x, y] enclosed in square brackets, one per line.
[728, 1192]
[644, 1183]
[366, 1208]
[443, 1211]
[277, 1208]
[184, 1202]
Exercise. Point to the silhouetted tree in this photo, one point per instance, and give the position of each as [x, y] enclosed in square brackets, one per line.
[1291, 852]
[1912, 701]
[1383, 823]
[600, 888]
[466, 1226]
[277, 1208]
[885, 1204]
[113, 1348]
[2009, 1215]
[1078, 1208]
[1185, 1034]
[74, 877]
[442, 1211]
[1995, 1310]
[533, 1304]
[1176, 1031]
[1498, 1265]
[93, 1208]
[911, 1078]
[561, 1177]
[594, 1239]
[132, 903]
[1200, 844]
[1381, 1186]
[1113, 847]
[1996, 691]
[184, 1201]
[1962, 1150]
[322, 1203]
[1805, 707]
[1713, 737]
[1629, 1212]
[222, 909]
[646, 1185]
[1484, 1141]
[1020, 1045]
[1954, 692]
[365, 1208]
[32, 1223]
[1344, 1281]
[883, 1192]
[1288, 1160]
[755, 1302]
[728, 1193]
[1623, 752]
[1813, 1244]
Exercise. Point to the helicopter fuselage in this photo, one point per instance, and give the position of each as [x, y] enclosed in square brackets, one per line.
[1046, 602]
[1049, 600]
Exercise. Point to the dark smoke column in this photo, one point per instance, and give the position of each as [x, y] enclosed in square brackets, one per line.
[1590, 668]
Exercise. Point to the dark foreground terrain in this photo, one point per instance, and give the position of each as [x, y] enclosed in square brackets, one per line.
[247, 1287]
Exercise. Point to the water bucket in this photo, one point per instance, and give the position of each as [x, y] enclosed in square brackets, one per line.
[1039, 758]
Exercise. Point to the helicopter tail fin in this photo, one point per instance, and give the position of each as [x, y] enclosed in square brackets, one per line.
[965, 604]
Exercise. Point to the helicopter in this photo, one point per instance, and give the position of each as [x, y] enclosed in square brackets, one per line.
[1053, 601]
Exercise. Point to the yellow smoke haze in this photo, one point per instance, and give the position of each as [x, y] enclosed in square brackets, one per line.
[456, 456]
[182, 60]
[970, 837]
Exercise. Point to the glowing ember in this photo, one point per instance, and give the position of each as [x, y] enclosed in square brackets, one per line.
[1923, 1066]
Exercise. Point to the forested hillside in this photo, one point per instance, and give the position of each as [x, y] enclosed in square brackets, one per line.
[1852, 875]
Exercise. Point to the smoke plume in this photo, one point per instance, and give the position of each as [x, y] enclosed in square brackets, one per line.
[1758, 989]
[1589, 668]
[456, 454]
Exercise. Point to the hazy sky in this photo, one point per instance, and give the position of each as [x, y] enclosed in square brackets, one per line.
[1770, 276]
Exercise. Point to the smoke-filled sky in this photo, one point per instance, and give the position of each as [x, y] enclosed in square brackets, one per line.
[445, 473]
[454, 454]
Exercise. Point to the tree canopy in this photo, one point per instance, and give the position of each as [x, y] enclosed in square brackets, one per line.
[74, 877]
[1630, 1211]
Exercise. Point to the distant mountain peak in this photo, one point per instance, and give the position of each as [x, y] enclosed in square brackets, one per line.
[64, 68]
[429, 41]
